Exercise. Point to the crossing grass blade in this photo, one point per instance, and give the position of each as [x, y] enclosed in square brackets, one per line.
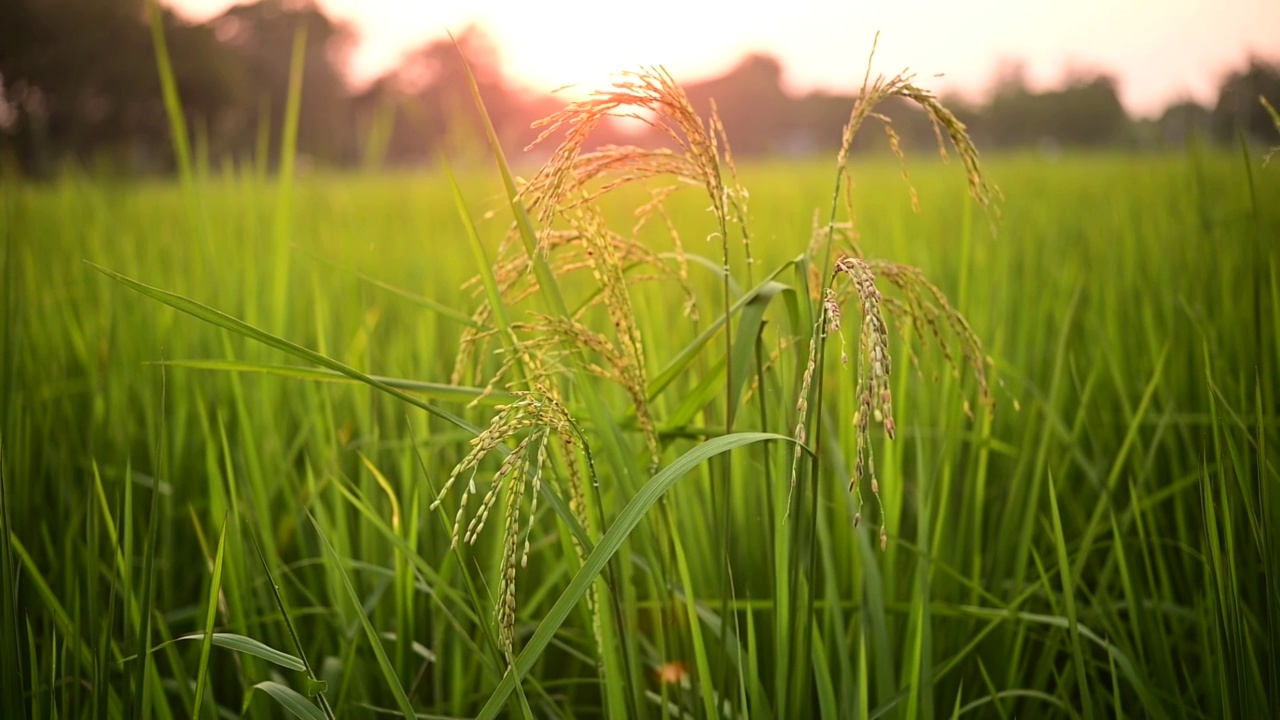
[434, 306]
[222, 320]
[623, 525]
[440, 391]
[371, 634]
[301, 658]
[682, 359]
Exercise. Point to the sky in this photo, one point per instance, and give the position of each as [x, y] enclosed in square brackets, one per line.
[1160, 51]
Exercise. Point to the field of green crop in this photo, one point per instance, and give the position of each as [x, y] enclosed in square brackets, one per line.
[1103, 544]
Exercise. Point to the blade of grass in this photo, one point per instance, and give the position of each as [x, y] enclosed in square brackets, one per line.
[828, 706]
[680, 363]
[181, 142]
[437, 307]
[439, 391]
[143, 668]
[528, 234]
[172, 103]
[749, 327]
[248, 646]
[1096, 525]
[994, 697]
[284, 186]
[706, 688]
[56, 611]
[296, 703]
[1069, 597]
[211, 614]
[222, 320]
[484, 267]
[293, 631]
[11, 685]
[618, 532]
[375, 641]
[1126, 666]
[919, 660]
[1026, 519]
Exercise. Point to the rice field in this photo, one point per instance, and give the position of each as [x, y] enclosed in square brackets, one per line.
[231, 407]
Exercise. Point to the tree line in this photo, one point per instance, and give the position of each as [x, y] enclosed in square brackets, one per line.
[79, 84]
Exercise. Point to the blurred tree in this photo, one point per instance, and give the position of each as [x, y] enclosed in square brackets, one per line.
[261, 36]
[1088, 113]
[1010, 78]
[1184, 121]
[1085, 113]
[429, 98]
[752, 103]
[1238, 108]
[817, 121]
[79, 81]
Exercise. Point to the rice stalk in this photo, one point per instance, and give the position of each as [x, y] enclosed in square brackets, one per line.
[572, 236]
[925, 308]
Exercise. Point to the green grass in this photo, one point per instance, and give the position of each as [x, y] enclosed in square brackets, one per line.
[1106, 549]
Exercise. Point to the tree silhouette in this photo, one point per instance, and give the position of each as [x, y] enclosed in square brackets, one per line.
[80, 81]
[1182, 121]
[751, 101]
[1085, 113]
[1238, 108]
[261, 37]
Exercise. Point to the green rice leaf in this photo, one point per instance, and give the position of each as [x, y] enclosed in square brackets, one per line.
[249, 646]
[295, 702]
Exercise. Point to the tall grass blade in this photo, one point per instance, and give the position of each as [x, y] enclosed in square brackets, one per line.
[172, 102]
[1069, 598]
[375, 640]
[705, 684]
[211, 615]
[484, 267]
[284, 192]
[143, 668]
[11, 671]
[253, 648]
[623, 525]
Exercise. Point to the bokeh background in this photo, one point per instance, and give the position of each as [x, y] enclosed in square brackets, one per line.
[384, 86]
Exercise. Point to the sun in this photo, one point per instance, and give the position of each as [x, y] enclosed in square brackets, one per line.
[578, 45]
[582, 46]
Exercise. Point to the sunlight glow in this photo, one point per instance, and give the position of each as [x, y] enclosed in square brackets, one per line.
[1160, 50]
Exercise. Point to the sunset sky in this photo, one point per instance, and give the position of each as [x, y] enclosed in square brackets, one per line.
[1160, 50]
